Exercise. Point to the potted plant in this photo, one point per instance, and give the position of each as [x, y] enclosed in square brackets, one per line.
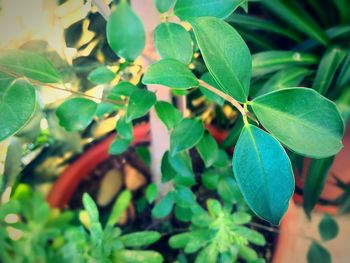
[212, 201]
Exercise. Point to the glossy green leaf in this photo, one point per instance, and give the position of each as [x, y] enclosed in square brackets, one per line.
[318, 254]
[143, 152]
[124, 129]
[183, 214]
[119, 145]
[270, 61]
[228, 190]
[125, 32]
[302, 120]
[163, 207]
[76, 114]
[168, 172]
[163, 5]
[168, 114]
[225, 54]
[139, 239]
[137, 256]
[294, 14]
[122, 89]
[211, 96]
[261, 166]
[186, 9]
[327, 68]
[184, 197]
[119, 207]
[181, 163]
[28, 64]
[315, 182]
[185, 135]
[17, 105]
[210, 179]
[13, 163]
[101, 75]
[171, 73]
[328, 228]
[285, 78]
[208, 149]
[151, 193]
[140, 103]
[173, 41]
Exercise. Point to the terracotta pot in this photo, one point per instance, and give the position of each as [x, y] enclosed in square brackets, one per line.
[340, 168]
[288, 234]
[63, 189]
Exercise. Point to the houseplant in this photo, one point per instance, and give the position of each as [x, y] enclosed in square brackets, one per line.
[260, 163]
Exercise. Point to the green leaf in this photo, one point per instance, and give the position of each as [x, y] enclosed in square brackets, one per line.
[270, 61]
[119, 207]
[181, 163]
[163, 5]
[171, 73]
[122, 89]
[184, 197]
[241, 218]
[124, 129]
[76, 114]
[137, 256]
[28, 64]
[168, 114]
[151, 193]
[139, 239]
[261, 166]
[327, 68]
[252, 236]
[214, 207]
[119, 145]
[140, 102]
[302, 120]
[164, 207]
[186, 9]
[13, 163]
[247, 253]
[183, 214]
[328, 228]
[315, 180]
[185, 135]
[233, 135]
[168, 172]
[208, 149]
[91, 208]
[225, 54]
[211, 96]
[173, 41]
[144, 154]
[208, 254]
[285, 78]
[17, 105]
[318, 254]
[210, 179]
[125, 32]
[228, 190]
[296, 16]
[256, 23]
[101, 75]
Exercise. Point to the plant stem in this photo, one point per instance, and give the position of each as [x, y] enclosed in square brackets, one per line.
[41, 84]
[228, 98]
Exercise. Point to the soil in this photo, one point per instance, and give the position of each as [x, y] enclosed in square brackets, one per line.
[143, 220]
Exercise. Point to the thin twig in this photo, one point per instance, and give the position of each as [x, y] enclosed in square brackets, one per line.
[41, 84]
[231, 100]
